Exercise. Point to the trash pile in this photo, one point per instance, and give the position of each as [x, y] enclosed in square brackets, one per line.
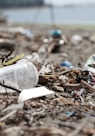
[41, 97]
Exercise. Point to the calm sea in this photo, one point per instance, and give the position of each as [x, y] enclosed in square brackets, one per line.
[84, 14]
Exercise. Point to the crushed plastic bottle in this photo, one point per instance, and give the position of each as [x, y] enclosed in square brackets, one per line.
[22, 75]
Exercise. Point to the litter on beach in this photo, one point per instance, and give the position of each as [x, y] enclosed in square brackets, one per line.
[34, 93]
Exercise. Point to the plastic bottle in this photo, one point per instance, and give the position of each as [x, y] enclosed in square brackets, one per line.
[22, 75]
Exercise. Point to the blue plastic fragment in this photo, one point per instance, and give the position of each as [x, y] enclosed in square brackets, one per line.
[68, 113]
[56, 33]
[66, 64]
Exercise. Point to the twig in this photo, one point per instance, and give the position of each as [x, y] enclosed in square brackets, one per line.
[8, 115]
[10, 62]
[67, 124]
[9, 87]
[42, 131]
[13, 106]
[71, 85]
[51, 47]
[64, 72]
[64, 100]
[87, 85]
[48, 76]
[79, 128]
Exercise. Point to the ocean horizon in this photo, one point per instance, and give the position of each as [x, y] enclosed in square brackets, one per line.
[79, 14]
[69, 2]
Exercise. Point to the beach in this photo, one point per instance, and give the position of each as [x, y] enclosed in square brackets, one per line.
[59, 114]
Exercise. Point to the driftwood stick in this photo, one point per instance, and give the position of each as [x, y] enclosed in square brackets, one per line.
[79, 128]
[64, 72]
[87, 85]
[8, 115]
[51, 47]
[71, 85]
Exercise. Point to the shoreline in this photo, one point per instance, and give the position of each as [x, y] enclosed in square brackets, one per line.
[44, 25]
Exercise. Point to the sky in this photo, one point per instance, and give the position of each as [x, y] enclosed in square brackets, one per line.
[63, 2]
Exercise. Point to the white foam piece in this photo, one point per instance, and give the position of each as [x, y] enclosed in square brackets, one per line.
[33, 93]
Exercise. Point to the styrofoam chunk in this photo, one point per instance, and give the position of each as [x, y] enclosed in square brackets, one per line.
[34, 93]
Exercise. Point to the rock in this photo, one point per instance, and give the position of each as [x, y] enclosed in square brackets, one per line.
[12, 131]
[58, 88]
[92, 38]
[86, 35]
[76, 39]
[65, 55]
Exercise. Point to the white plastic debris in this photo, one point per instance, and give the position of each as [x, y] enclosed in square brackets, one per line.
[42, 49]
[76, 39]
[46, 68]
[61, 42]
[90, 61]
[80, 92]
[46, 40]
[36, 57]
[33, 58]
[92, 70]
[21, 30]
[33, 93]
